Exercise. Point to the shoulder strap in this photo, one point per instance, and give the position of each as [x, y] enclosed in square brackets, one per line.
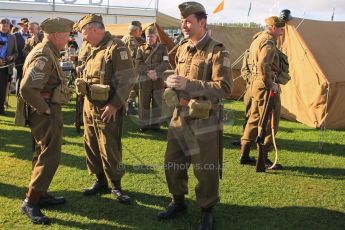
[152, 52]
[102, 73]
[208, 57]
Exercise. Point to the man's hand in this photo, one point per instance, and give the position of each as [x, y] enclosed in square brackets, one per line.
[79, 69]
[152, 74]
[176, 82]
[35, 37]
[108, 113]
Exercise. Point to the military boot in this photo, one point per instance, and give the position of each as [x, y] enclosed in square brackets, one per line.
[269, 163]
[207, 219]
[32, 210]
[48, 200]
[245, 159]
[177, 206]
[100, 186]
[117, 192]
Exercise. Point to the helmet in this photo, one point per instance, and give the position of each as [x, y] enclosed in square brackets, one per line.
[285, 15]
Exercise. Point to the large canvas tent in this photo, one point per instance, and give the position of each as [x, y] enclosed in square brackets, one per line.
[316, 92]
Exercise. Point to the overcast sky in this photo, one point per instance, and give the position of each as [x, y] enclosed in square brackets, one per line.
[237, 10]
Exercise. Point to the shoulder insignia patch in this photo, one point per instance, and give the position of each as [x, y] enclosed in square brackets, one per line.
[41, 62]
[226, 62]
[124, 55]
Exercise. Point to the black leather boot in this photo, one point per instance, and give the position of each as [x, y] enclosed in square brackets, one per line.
[177, 206]
[207, 219]
[48, 200]
[118, 193]
[32, 210]
[269, 163]
[245, 159]
[100, 186]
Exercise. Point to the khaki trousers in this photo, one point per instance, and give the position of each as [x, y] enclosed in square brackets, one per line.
[193, 141]
[258, 97]
[102, 143]
[47, 132]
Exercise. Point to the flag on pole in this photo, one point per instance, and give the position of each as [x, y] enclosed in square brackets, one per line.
[219, 8]
[250, 8]
[333, 15]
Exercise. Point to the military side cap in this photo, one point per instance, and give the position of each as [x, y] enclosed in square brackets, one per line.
[136, 23]
[57, 25]
[274, 21]
[89, 19]
[150, 30]
[189, 8]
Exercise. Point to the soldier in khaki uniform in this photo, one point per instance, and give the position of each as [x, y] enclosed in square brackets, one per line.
[263, 55]
[44, 88]
[133, 41]
[202, 78]
[36, 37]
[107, 80]
[152, 60]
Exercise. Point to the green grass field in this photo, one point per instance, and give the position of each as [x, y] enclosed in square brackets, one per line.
[308, 194]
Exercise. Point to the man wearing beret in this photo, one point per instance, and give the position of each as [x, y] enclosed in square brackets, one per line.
[8, 54]
[42, 87]
[133, 40]
[108, 77]
[263, 55]
[202, 78]
[152, 60]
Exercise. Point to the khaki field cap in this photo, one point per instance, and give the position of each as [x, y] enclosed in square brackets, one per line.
[59, 25]
[89, 19]
[136, 23]
[274, 21]
[189, 8]
[150, 30]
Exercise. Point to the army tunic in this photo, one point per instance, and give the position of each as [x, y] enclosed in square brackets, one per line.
[263, 53]
[41, 76]
[133, 44]
[151, 91]
[192, 140]
[102, 141]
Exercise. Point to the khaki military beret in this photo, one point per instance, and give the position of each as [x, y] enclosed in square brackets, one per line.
[89, 19]
[189, 8]
[274, 21]
[136, 23]
[59, 25]
[150, 30]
